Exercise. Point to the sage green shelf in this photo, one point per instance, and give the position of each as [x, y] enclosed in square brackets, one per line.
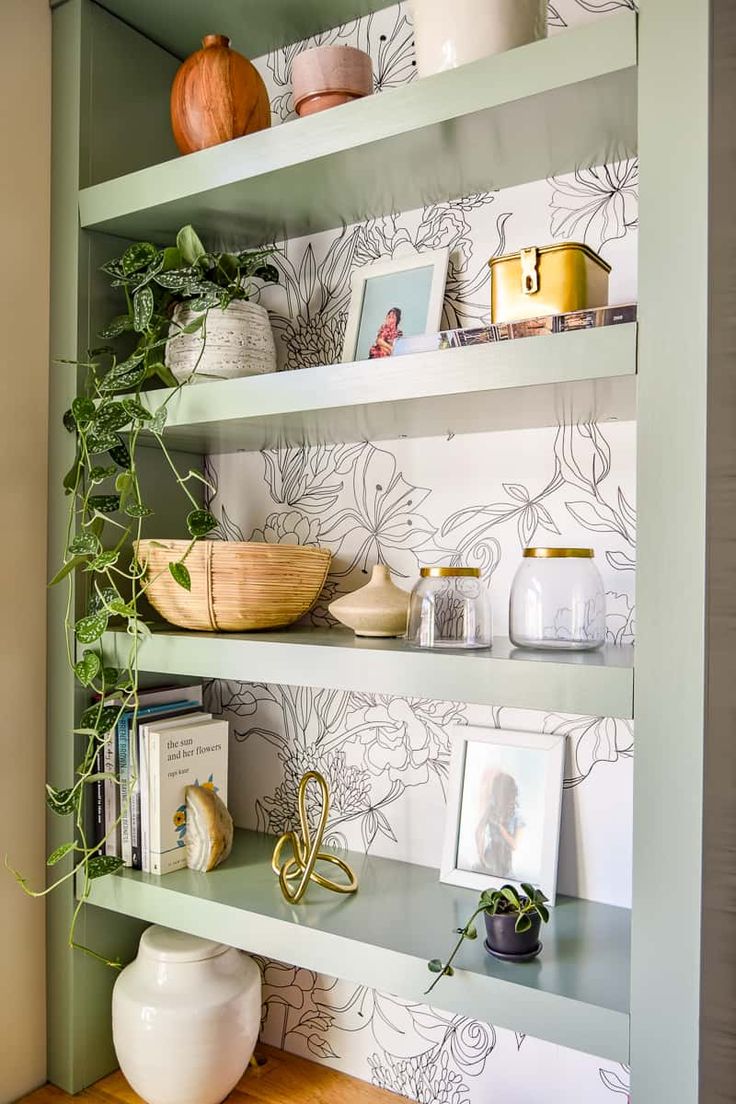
[542, 381]
[572, 98]
[576, 994]
[599, 684]
[254, 26]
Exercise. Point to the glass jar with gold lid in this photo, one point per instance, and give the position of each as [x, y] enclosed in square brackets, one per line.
[558, 601]
[450, 608]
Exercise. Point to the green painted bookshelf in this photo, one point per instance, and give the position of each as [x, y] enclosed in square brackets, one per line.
[656, 85]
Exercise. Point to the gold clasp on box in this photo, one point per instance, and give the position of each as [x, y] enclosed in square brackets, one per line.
[529, 271]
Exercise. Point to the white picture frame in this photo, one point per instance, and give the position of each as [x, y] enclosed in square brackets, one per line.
[482, 762]
[425, 278]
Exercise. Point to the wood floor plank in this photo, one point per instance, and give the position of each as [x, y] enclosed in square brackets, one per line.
[278, 1078]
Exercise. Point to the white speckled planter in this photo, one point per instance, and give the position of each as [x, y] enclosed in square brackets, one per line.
[185, 1018]
[238, 342]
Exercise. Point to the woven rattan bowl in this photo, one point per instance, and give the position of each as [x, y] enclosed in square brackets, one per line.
[236, 587]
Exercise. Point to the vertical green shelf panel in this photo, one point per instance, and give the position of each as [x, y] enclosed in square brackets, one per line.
[674, 74]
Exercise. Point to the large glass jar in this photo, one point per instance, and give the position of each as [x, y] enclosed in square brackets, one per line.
[450, 608]
[558, 600]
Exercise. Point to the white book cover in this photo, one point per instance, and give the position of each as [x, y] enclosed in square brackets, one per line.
[186, 754]
[161, 724]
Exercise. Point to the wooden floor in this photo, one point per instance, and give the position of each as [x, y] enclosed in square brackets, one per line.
[279, 1078]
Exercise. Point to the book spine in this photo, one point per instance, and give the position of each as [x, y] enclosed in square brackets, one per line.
[126, 852]
[154, 808]
[144, 792]
[111, 796]
[135, 797]
[98, 800]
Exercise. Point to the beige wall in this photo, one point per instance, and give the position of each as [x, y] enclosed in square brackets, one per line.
[25, 74]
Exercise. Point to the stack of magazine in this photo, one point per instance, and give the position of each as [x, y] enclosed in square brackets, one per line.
[509, 331]
[148, 761]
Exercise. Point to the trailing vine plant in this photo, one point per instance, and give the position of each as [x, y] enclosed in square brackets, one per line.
[107, 508]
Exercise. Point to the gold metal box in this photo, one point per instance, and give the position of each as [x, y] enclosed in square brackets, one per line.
[552, 279]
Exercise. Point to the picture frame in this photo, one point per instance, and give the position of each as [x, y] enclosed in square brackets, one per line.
[503, 809]
[413, 285]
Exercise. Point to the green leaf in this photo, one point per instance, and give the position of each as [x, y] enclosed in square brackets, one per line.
[68, 422]
[90, 628]
[103, 561]
[171, 258]
[69, 566]
[85, 544]
[142, 309]
[119, 453]
[100, 865]
[511, 895]
[435, 966]
[529, 891]
[137, 256]
[158, 422]
[99, 719]
[101, 598]
[543, 912]
[189, 245]
[99, 474]
[69, 481]
[138, 510]
[135, 411]
[57, 855]
[268, 273]
[83, 411]
[101, 442]
[110, 417]
[523, 922]
[180, 574]
[173, 280]
[124, 376]
[88, 668]
[62, 802]
[470, 932]
[105, 504]
[123, 323]
[200, 523]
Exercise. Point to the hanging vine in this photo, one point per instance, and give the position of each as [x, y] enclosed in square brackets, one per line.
[107, 509]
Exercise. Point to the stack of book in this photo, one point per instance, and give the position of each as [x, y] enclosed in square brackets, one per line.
[150, 758]
[509, 331]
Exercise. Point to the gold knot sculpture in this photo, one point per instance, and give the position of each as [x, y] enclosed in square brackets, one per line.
[301, 867]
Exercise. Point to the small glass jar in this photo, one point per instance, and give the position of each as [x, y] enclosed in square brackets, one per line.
[558, 601]
[450, 608]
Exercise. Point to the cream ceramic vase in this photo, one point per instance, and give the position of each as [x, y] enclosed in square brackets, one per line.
[449, 35]
[185, 1018]
[378, 609]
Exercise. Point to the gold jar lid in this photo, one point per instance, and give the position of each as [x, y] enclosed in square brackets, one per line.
[445, 572]
[559, 553]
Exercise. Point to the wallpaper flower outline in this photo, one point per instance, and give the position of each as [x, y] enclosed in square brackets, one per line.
[386, 758]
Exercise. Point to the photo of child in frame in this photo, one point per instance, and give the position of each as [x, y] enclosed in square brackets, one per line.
[387, 335]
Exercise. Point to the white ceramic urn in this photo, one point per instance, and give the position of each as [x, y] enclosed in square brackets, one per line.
[233, 343]
[448, 35]
[185, 1018]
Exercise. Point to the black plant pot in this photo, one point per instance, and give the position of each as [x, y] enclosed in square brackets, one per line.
[503, 939]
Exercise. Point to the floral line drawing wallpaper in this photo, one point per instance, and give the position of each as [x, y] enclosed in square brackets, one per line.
[475, 499]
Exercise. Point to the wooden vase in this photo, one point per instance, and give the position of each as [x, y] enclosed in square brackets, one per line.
[217, 95]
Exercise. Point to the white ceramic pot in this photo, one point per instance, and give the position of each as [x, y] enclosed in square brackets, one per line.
[237, 342]
[378, 609]
[448, 35]
[185, 1018]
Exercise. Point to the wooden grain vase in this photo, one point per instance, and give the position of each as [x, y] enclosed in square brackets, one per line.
[217, 95]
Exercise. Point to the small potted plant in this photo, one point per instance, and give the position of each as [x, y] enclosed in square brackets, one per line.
[513, 921]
